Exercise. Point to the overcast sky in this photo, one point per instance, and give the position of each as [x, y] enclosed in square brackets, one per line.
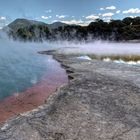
[68, 11]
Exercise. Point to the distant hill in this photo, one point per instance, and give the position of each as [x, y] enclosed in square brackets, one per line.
[25, 29]
[56, 25]
[21, 23]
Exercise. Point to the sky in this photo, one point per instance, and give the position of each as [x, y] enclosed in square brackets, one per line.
[68, 11]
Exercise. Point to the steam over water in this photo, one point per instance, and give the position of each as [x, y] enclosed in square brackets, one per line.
[103, 48]
[21, 66]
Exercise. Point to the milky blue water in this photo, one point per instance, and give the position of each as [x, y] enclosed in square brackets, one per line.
[21, 66]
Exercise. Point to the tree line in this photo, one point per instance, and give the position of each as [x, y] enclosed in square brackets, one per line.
[115, 30]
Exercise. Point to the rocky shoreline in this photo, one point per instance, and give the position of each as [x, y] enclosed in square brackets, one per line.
[100, 102]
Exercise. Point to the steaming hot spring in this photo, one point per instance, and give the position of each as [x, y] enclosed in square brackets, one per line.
[26, 68]
[27, 78]
[124, 53]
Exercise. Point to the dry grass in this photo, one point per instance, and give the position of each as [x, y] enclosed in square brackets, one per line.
[117, 57]
[126, 58]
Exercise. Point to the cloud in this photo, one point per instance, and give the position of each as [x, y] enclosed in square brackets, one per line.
[2, 18]
[73, 21]
[107, 19]
[102, 9]
[92, 17]
[46, 17]
[132, 11]
[119, 11]
[107, 14]
[2, 21]
[132, 16]
[61, 16]
[110, 8]
[77, 22]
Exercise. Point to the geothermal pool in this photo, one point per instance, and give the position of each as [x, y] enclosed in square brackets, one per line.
[21, 67]
[26, 77]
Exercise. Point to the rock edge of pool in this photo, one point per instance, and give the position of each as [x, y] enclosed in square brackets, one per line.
[100, 102]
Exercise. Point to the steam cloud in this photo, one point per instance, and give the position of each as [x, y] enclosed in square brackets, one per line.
[99, 47]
